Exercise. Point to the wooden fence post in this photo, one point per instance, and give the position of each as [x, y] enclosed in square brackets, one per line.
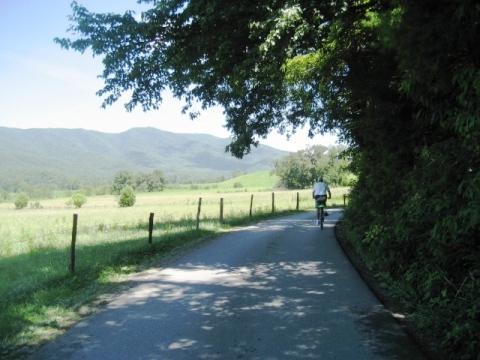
[251, 206]
[198, 213]
[221, 210]
[273, 202]
[74, 240]
[150, 228]
[298, 201]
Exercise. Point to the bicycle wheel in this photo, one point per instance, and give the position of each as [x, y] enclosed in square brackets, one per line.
[322, 218]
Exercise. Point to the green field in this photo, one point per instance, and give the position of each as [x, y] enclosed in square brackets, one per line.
[40, 296]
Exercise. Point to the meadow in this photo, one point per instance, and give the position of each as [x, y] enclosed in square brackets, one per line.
[41, 296]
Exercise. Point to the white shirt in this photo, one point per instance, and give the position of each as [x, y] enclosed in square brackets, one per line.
[320, 188]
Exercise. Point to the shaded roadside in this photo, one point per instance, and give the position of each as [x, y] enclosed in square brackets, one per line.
[427, 345]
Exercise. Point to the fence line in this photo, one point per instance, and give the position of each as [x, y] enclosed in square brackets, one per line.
[32, 241]
[150, 225]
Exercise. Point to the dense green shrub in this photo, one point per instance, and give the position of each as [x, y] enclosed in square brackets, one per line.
[127, 197]
[78, 199]
[21, 201]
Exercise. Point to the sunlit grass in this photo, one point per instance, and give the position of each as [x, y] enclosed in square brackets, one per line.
[102, 220]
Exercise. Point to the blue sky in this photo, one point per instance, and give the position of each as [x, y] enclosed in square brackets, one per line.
[43, 86]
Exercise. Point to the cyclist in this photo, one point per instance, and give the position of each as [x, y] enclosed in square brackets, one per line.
[320, 191]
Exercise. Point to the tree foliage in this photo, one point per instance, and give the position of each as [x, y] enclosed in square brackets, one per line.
[154, 181]
[301, 169]
[229, 55]
[127, 197]
[121, 180]
[398, 81]
[79, 199]
[149, 182]
[21, 201]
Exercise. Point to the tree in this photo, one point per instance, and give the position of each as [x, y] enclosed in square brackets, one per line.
[154, 181]
[141, 182]
[296, 170]
[78, 199]
[204, 51]
[301, 169]
[151, 182]
[21, 201]
[122, 179]
[127, 197]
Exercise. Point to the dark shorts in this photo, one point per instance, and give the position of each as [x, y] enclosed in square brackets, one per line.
[321, 199]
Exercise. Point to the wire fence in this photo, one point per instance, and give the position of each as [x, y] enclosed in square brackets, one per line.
[23, 231]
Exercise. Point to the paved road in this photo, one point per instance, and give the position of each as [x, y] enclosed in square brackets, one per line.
[282, 289]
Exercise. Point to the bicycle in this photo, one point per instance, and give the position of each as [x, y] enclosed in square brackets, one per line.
[320, 205]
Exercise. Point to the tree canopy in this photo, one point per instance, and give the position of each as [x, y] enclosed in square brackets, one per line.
[398, 80]
[235, 55]
[150, 182]
[301, 169]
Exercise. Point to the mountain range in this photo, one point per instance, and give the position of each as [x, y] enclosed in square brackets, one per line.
[41, 157]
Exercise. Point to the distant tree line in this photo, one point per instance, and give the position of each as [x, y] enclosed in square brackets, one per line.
[41, 184]
[37, 185]
[22, 180]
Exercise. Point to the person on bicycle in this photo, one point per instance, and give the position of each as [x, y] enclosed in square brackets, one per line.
[320, 191]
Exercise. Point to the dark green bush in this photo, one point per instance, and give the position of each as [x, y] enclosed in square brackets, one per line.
[21, 201]
[127, 197]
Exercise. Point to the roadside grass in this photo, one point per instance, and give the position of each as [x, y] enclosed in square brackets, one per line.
[41, 297]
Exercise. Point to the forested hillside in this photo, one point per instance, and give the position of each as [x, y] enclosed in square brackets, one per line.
[64, 158]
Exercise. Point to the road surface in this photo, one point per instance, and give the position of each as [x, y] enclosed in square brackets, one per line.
[281, 289]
